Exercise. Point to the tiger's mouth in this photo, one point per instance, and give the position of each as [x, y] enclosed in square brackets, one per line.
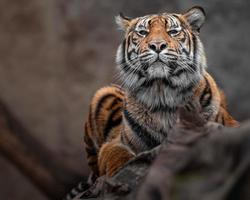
[158, 69]
[158, 62]
[167, 65]
[162, 58]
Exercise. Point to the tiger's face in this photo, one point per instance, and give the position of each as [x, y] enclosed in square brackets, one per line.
[162, 58]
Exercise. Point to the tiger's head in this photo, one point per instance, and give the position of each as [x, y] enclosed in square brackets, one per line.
[161, 58]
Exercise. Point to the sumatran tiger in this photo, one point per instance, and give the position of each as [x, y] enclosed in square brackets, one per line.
[162, 66]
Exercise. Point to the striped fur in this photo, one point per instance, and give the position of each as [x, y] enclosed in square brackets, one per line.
[162, 67]
[104, 122]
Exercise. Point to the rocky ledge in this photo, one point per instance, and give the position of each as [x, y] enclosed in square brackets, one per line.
[198, 161]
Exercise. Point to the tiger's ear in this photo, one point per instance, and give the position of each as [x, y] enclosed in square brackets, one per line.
[195, 17]
[122, 21]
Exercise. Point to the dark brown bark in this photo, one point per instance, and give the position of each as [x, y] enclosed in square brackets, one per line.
[33, 159]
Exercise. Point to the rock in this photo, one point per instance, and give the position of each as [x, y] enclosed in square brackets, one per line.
[211, 168]
[208, 163]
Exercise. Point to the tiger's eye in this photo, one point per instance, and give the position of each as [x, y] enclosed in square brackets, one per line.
[143, 32]
[173, 32]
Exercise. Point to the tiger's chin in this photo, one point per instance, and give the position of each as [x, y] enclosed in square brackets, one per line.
[162, 89]
[158, 70]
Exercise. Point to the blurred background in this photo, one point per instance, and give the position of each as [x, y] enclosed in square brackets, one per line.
[54, 54]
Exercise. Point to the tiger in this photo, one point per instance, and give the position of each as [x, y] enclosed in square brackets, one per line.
[162, 67]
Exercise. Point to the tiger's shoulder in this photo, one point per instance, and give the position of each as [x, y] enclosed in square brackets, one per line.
[213, 102]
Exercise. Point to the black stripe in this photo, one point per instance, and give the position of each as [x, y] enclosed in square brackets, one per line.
[145, 54]
[111, 123]
[194, 48]
[91, 151]
[223, 120]
[94, 162]
[123, 46]
[204, 90]
[141, 131]
[176, 24]
[172, 65]
[89, 119]
[187, 89]
[114, 103]
[187, 107]
[179, 72]
[121, 93]
[134, 40]
[183, 41]
[128, 142]
[193, 66]
[163, 109]
[128, 44]
[165, 81]
[100, 103]
[169, 84]
[125, 67]
[205, 102]
[191, 106]
[86, 137]
[172, 22]
[185, 51]
[189, 42]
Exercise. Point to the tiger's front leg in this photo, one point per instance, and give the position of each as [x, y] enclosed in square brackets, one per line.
[112, 156]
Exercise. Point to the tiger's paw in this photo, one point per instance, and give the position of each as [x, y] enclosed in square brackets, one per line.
[112, 157]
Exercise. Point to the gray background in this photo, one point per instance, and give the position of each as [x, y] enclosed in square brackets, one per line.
[55, 53]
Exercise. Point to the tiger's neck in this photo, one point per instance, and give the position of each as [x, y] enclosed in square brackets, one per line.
[145, 129]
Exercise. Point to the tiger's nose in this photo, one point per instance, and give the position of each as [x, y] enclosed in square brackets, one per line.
[157, 46]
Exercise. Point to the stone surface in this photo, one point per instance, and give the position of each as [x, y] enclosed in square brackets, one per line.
[208, 162]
